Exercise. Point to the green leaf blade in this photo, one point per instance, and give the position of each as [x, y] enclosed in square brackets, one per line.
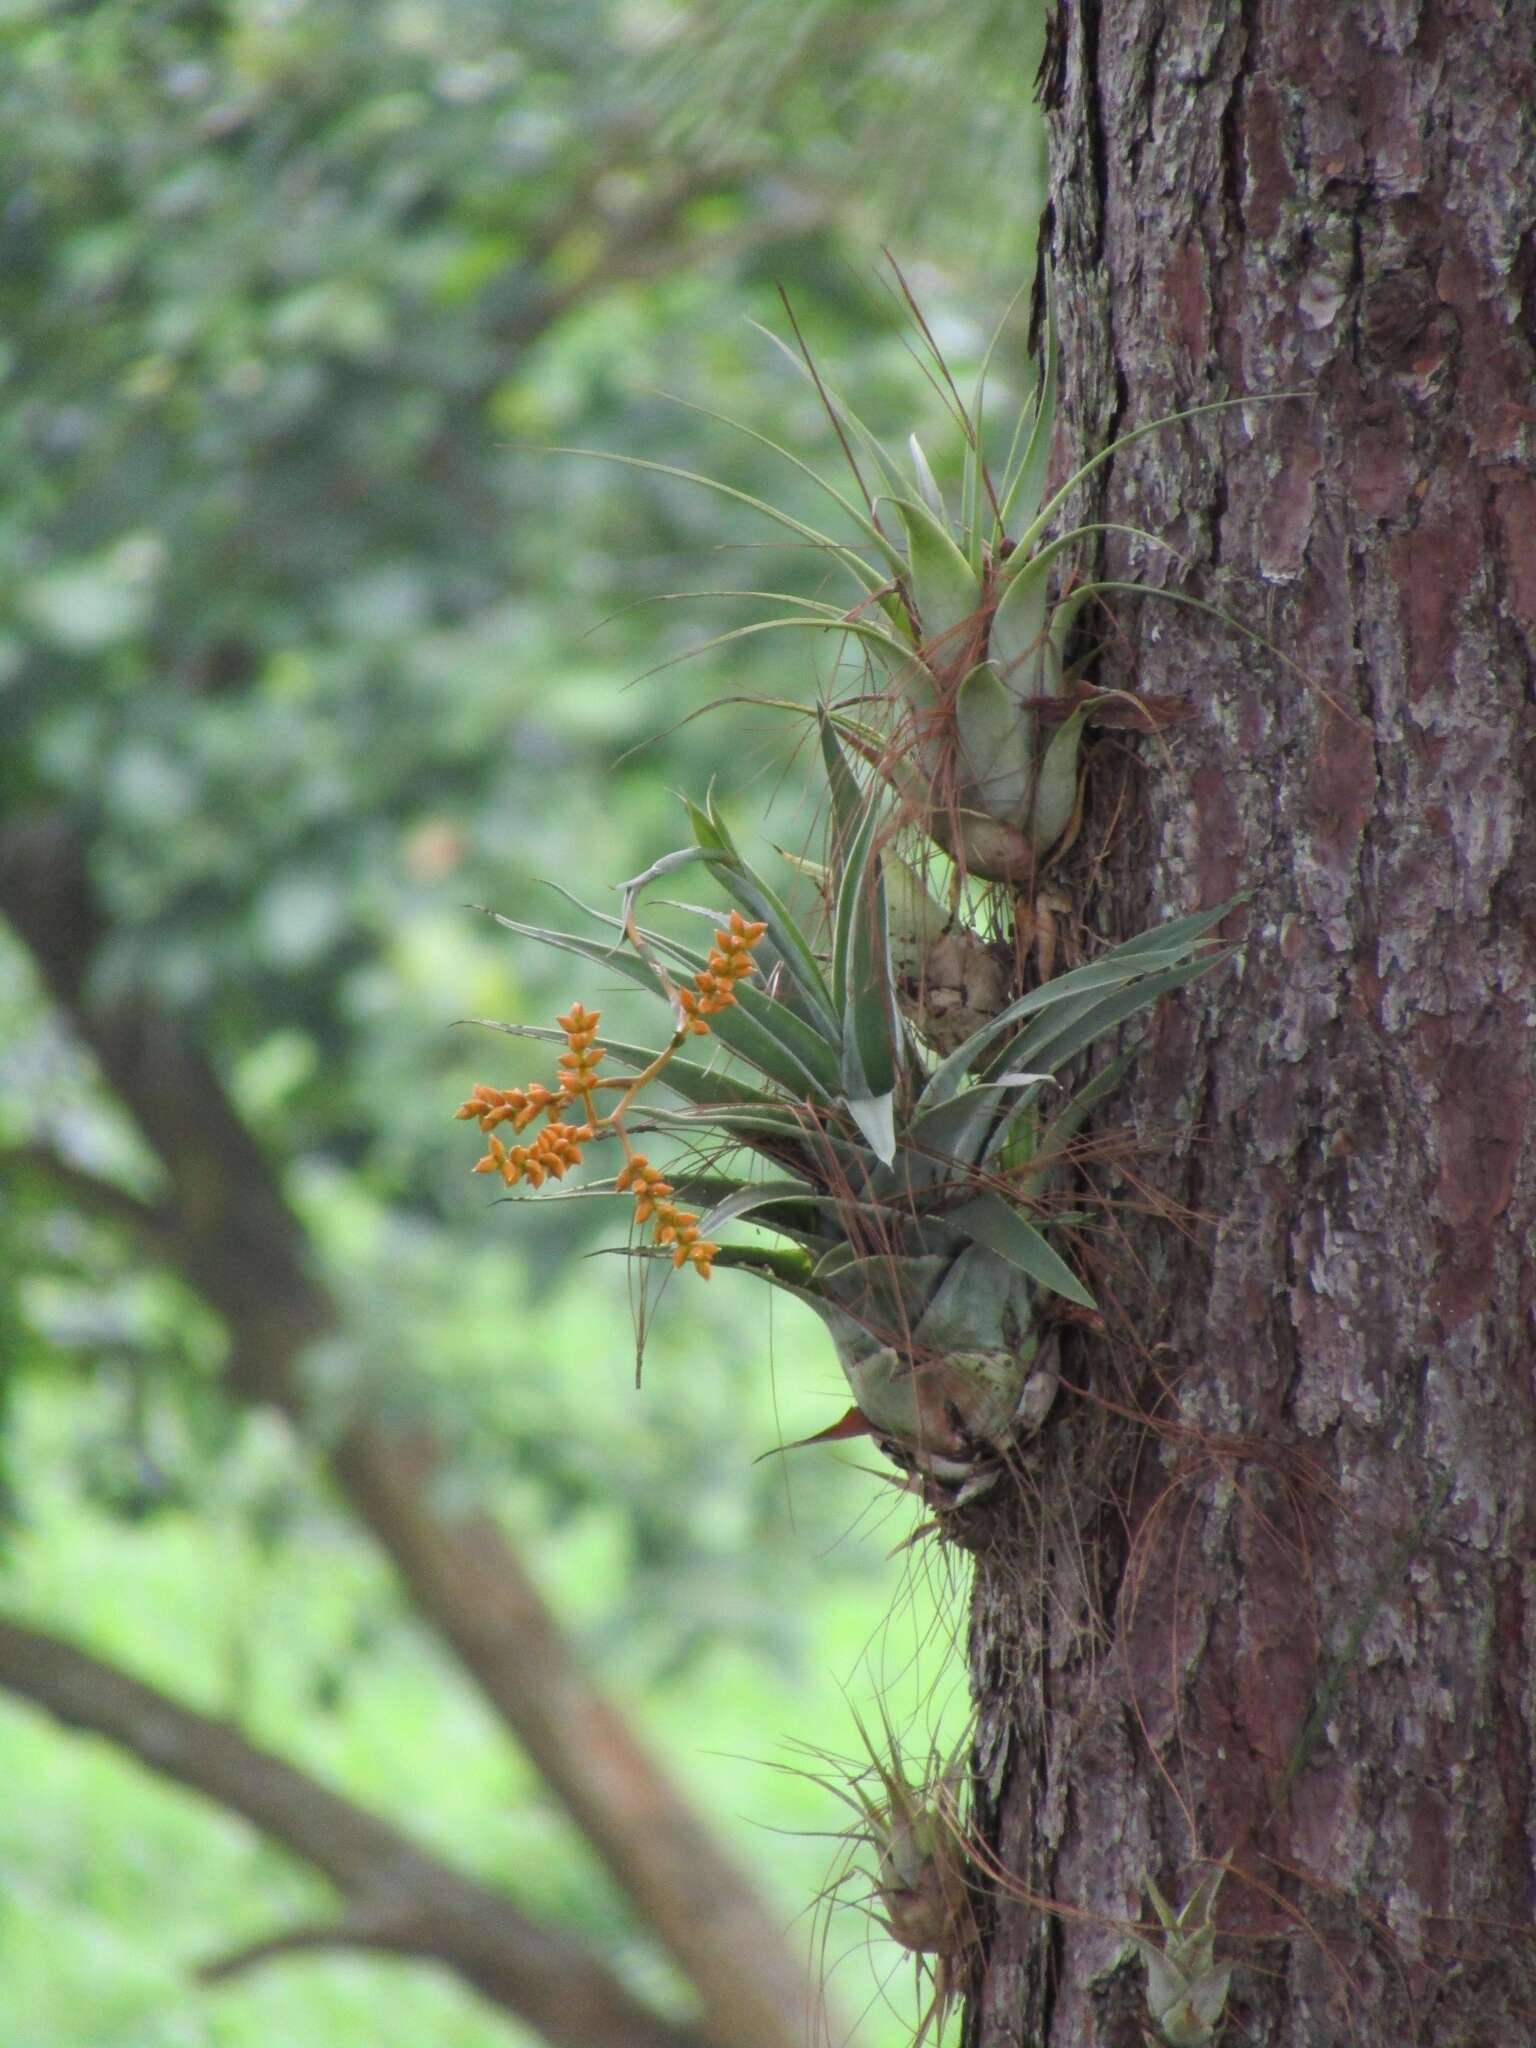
[996, 1224]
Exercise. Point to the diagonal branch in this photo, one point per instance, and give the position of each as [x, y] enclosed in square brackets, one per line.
[239, 1245]
[357, 1928]
[400, 1896]
[150, 1223]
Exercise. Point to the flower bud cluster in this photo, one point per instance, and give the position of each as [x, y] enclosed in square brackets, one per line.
[558, 1146]
[671, 1225]
[516, 1106]
[730, 961]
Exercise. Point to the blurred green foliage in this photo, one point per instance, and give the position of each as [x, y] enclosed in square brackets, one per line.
[321, 653]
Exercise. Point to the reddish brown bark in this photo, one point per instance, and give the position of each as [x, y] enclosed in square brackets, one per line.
[1310, 1639]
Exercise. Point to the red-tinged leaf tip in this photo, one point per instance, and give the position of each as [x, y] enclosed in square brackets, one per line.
[854, 1423]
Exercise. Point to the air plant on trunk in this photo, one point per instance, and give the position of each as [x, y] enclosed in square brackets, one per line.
[963, 612]
[917, 1200]
[908, 1857]
[1186, 1988]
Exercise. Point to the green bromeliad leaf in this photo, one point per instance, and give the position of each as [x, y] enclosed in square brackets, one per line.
[999, 1227]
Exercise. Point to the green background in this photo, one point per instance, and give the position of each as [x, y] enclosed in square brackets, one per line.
[295, 614]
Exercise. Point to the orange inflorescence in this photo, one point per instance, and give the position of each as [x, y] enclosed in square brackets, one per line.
[557, 1147]
[517, 1106]
[642, 1180]
[671, 1224]
[730, 961]
[579, 1062]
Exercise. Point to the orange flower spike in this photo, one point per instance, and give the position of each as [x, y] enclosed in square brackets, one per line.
[675, 1225]
[490, 1106]
[700, 1255]
[693, 1012]
[480, 1099]
[578, 1068]
[560, 1148]
[642, 1180]
[741, 936]
[535, 1100]
[494, 1160]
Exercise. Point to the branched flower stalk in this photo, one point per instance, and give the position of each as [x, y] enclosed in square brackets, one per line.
[558, 1145]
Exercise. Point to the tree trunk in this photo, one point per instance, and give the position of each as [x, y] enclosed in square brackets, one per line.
[1282, 1621]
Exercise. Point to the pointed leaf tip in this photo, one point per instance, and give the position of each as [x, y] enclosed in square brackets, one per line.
[875, 1116]
[854, 1423]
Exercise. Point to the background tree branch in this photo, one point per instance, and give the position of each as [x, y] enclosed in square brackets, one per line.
[230, 1233]
[398, 1895]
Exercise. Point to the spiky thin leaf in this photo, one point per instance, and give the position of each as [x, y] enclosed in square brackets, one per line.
[927, 488]
[1027, 482]
[781, 1136]
[782, 1046]
[1029, 539]
[1124, 964]
[853, 562]
[760, 900]
[749, 1196]
[875, 1116]
[846, 794]
[856, 513]
[862, 989]
[1178, 932]
[1052, 1139]
[841, 412]
[1061, 1036]
[955, 1131]
[860, 949]
[785, 1268]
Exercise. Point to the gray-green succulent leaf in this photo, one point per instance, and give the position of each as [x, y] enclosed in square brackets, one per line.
[1055, 792]
[995, 747]
[944, 585]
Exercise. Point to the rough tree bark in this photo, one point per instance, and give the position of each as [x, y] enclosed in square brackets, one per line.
[1311, 1645]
